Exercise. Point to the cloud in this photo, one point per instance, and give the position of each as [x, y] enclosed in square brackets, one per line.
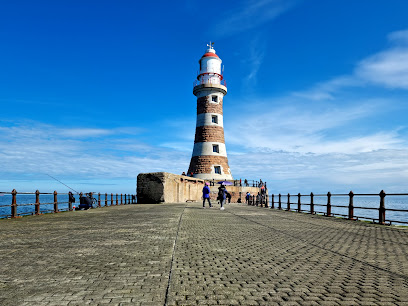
[251, 14]
[388, 69]
[36, 148]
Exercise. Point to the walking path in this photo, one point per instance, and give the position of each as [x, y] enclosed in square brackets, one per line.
[181, 254]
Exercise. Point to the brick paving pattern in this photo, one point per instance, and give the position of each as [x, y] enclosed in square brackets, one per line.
[181, 254]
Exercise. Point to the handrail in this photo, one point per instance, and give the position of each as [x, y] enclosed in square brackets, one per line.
[33, 206]
[349, 205]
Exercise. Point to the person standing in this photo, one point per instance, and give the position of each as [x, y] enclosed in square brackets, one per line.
[222, 195]
[247, 197]
[206, 194]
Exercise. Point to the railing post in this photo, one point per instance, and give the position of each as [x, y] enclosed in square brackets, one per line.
[37, 202]
[351, 206]
[311, 203]
[381, 210]
[99, 199]
[106, 199]
[125, 198]
[288, 208]
[121, 199]
[112, 199]
[328, 213]
[280, 202]
[55, 201]
[14, 204]
[299, 203]
[273, 201]
[117, 201]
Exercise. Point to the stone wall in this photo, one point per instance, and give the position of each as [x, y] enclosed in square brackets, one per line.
[209, 133]
[204, 164]
[163, 187]
[205, 106]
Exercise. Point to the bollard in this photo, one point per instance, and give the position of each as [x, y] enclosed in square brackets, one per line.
[14, 204]
[106, 199]
[125, 198]
[37, 202]
[328, 213]
[381, 210]
[121, 201]
[288, 208]
[351, 206]
[112, 199]
[280, 203]
[299, 203]
[273, 201]
[99, 199]
[55, 202]
[311, 203]
[117, 201]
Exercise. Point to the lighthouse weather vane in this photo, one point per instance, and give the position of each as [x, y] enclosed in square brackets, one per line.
[211, 44]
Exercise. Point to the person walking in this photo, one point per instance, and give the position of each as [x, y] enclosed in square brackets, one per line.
[247, 197]
[206, 194]
[222, 195]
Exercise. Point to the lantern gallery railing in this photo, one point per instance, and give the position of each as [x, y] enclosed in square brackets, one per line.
[14, 204]
[379, 208]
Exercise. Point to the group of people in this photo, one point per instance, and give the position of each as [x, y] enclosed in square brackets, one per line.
[223, 195]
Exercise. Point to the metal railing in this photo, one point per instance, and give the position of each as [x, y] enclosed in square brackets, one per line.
[344, 203]
[241, 182]
[54, 202]
[209, 81]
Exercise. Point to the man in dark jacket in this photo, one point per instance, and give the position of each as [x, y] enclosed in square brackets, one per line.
[206, 194]
[222, 195]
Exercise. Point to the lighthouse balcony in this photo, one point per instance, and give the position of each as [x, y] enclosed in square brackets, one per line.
[220, 86]
[211, 81]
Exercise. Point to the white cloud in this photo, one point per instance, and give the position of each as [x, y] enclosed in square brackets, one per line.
[250, 14]
[388, 69]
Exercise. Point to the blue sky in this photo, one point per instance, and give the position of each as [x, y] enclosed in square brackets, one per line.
[95, 92]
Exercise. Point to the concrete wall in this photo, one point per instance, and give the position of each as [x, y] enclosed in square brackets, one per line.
[163, 187]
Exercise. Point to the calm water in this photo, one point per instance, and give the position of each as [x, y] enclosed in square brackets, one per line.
[391, 202]
[25, 203]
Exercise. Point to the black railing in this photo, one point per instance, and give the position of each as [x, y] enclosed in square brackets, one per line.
[15, 204]
[343, 205]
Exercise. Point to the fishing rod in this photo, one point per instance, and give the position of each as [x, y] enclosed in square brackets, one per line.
[62, 183]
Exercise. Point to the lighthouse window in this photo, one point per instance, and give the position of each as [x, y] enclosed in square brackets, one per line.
[216, 149]
[217, 169]
[214, 98]
[214, 119]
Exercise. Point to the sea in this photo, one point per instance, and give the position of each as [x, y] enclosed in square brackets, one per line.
[26, 206]
[394, 202]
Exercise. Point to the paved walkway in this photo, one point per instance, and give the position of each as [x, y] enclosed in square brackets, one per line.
[181, 254]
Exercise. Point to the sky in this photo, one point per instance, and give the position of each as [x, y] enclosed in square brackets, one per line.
[93, 93]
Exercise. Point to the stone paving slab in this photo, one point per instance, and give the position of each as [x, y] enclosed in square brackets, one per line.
[181, 254]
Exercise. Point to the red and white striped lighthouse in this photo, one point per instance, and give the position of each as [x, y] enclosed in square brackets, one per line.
[209, 160]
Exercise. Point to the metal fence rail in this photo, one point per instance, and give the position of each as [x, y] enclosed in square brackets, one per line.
[44, 207]
[312, 207]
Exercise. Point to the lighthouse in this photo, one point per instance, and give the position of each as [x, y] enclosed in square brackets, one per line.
[209, 159]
